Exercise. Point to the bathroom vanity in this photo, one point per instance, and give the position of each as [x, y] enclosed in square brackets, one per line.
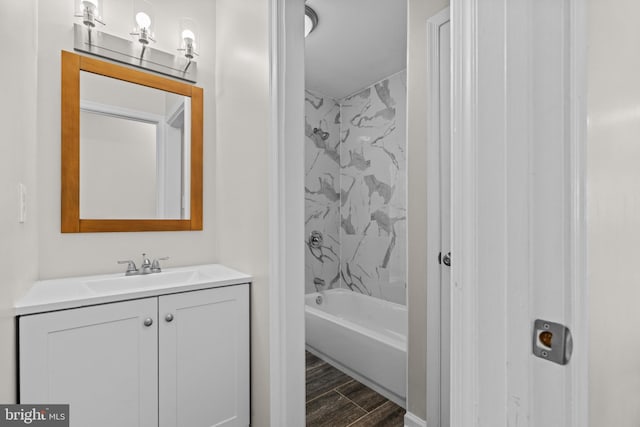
[165, 349]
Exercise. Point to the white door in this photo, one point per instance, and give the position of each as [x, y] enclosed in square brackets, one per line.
[101, 360]
[518, 213]
[439, 219]
[204, 358]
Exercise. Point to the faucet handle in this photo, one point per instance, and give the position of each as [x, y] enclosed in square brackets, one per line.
[155, 266]
[145, 260]
[145, 267]
[131, 267]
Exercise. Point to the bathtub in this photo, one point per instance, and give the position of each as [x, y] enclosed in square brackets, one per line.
[363, 336]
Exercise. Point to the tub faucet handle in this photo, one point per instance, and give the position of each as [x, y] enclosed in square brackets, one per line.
[319, 283]
[315, 239]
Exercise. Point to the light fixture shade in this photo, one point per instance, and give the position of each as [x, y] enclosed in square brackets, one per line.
[310, 20]
[89, 3]
[188, 38]
[143, 21]
[90, 11]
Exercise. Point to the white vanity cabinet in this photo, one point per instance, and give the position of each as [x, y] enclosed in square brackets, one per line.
[101, 360]
[172, 360]
[204, 358]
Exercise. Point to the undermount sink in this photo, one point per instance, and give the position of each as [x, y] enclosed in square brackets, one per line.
[127, 283]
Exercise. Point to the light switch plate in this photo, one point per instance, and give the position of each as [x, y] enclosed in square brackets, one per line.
[22, 197]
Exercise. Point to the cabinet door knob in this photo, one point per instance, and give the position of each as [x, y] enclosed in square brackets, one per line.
[168, 317]
[148, 321]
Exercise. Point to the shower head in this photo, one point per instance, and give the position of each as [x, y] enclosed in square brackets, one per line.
[324, 135]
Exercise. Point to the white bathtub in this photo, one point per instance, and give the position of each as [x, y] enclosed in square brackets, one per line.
[363, 336]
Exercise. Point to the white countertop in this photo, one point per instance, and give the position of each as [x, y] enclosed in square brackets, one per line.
[73, 292]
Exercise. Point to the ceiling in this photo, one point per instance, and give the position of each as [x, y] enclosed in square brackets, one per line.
[356, 44]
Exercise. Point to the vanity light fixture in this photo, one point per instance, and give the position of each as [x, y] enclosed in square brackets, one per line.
[90, 11]
[310, 20]
[188, 40]
[143, 19]
[127, 51]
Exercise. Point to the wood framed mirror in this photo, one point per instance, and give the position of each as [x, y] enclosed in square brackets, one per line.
[131, 149]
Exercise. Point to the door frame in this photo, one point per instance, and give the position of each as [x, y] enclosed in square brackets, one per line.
[286, 271]
[465, 387]
[436, 387]
[286, 214]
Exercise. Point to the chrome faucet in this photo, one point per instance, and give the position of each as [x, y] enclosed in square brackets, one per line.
[145, 267]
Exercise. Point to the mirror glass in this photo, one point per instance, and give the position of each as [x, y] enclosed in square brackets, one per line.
[134, 150]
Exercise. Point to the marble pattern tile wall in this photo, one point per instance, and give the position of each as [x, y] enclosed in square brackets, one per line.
[373, 190]
[355, 190]
[322, 191]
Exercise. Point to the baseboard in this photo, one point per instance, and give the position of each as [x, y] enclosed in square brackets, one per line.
[411, 420]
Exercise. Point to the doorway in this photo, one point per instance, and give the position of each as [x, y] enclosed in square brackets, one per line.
[480, 312]
[355, 209]
[439, 257]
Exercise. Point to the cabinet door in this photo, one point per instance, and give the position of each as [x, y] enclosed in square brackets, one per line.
[204, 358]
[102, 360]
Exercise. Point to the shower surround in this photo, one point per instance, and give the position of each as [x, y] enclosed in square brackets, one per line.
[355, 190]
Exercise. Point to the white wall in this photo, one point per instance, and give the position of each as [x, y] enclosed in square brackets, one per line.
[129, 96]
[77, 254]
[242, 136]
[419, 12]
[30, 153]
[18, 242]
[613, 199]
[118, 170]
[235, 168]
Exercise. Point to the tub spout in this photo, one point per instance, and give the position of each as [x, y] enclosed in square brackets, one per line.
[319, 283]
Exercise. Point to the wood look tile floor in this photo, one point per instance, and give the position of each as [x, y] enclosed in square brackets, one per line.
[334, 399]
